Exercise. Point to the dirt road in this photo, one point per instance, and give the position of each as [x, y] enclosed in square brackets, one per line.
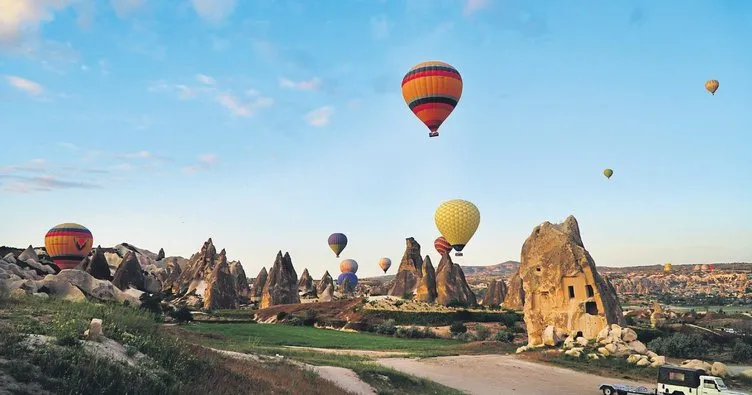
[501, 374]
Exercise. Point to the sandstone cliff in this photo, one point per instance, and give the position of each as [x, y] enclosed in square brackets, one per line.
[242, 288]
[426, 290]
[410, 270]
[515, 299]
[282, 284]
[305, 285]
[451, 285]
[495, 294]
[561, 284]
[326, 280]
[258, 285]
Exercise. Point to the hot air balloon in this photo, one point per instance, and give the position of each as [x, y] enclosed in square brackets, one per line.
[68, 244]
[442, 246]
[352, 279]
[667, 267]
[348, 265]
[608, 173]
[712, 86]
[337, 242]
[457, 220]
[432, 91]
[385, 264]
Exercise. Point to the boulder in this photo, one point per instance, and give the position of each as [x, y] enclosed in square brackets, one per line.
[282, 284]
[241, 281]
[495, 293]
[95, 330]
[258, 285]
[451, 286]
[326, 280]
[129, 273]
[96, 265]
[561, 284]
[96, 289]
[719, 369]
[409, 272]
[306, 289]
[550, 337]
[426, 290]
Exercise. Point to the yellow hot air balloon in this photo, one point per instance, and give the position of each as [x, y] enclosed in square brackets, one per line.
[68, 244]
[385, 264]
[457, 220]
[608, 173]
[667, 267]
[712, 86]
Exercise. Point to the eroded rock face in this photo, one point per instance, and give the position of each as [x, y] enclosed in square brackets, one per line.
[305, 285]
[203, 281]
[515, 299]
[327, 294]
[495, 294]
[451, 285]
[326, 280]
[241, 281]
[410, 270]
[426, 290]
[562, 287]
[221, 292]
[160, 254]
[282, 284]
[258, 285]
[129, 273]
[96, 265]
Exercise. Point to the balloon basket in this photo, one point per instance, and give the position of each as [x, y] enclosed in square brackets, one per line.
[457, 254]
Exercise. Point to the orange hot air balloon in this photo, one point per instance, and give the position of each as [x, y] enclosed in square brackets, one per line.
[712, 86]
[68, 244]
[432, 91]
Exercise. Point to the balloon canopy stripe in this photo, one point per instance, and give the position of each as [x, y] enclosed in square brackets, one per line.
[431, 72]
[76, 258]
[436, 101]
[69, 232]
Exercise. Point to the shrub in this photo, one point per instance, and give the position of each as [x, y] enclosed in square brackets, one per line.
[680, 345]
[434, 318]
[458, 327]
[4, 292]
[294, 321]
[281, 315]
[414, 333]
[310, 318]
[182, 315]
[386, 328]
[152, 304]
[742, 352]
[504, 336]
[465, 337]
[457, 304]
[481, 332]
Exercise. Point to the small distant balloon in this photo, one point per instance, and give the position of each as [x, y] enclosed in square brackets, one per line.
[348, 265]
[712, 86]
[337, 242]
[608, 173]
[442, 246]
[385, 264]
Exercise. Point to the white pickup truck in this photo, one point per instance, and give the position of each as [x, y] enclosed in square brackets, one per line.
[675, 380]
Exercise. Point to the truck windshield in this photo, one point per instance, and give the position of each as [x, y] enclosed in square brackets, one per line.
[721, 385]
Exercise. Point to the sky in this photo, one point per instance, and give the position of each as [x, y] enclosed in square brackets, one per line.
[268, 125]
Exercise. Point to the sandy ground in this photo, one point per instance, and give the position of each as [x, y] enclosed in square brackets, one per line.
[341, 377]
[364, 353]
[502, 374]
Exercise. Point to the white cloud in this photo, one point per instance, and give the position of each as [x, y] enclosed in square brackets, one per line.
[44, 183]
[320, 116]
[69, 146]
[205, 162]
[243, 109]
[23, 16]
[137, 155]
[207, 159]
[184, 92]
[27, 86]
[380, 27]
[473, 6]
[124, 8]
[205, 79]
[214, 11]
[309, 85]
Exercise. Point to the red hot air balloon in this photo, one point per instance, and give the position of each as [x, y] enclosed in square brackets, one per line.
[442, 245]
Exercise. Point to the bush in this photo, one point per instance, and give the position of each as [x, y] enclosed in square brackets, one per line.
[458, 327]
[387, 327]
[414, 333]
[465, 337]
[434, 318]
[4, 292]
[680, 345]
[152, 304]
[182, 315]
[481, 332]
[742, 352]
[457, 304]
[310, 318]
[504, 336]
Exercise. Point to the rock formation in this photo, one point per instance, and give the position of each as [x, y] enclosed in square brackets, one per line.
[305, 285]
[327, 294]
[258, 285]
[173, 272]
[346, 288]
[451, 285]
[242, 288]
[657, 318]
[160, 254]
[410, 270]
[282, 284]
[561, 284]
[129, 273]
[29, 259]
[495, 294]
[326, 280]
[515, 299]
[221, 292]
[426, 290]
[96, 265]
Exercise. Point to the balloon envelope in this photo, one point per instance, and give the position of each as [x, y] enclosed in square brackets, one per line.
[385, 264]
[337, 242]
[353, 280]
[608, 173]
[68, 244]
[348, 265]
[442, 246]
[712, 86]
[457, 220]
[432, 91]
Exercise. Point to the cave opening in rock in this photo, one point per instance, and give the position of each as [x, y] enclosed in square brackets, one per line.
[591, 308]
[579, 334]
[589, 290]
[571, 291]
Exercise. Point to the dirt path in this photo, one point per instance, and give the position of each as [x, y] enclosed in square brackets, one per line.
[501, 374]
[364, 353]
[341, 377]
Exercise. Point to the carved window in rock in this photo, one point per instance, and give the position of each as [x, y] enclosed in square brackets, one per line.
[571, 291]
[589, 291]
[591, 308]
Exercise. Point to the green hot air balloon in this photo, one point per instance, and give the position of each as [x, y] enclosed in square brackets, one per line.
[608, 173]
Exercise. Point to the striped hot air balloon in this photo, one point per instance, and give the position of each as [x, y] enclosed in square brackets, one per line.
[348, 265]
[337, 242]
[68, 244]
[432, 91]
[442, 246]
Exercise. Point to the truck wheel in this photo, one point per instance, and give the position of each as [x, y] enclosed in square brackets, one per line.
[608, 391]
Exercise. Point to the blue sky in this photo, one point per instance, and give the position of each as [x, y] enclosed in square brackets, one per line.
[268, 125]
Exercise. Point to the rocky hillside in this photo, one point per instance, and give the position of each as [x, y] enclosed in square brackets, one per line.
[504, 269]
